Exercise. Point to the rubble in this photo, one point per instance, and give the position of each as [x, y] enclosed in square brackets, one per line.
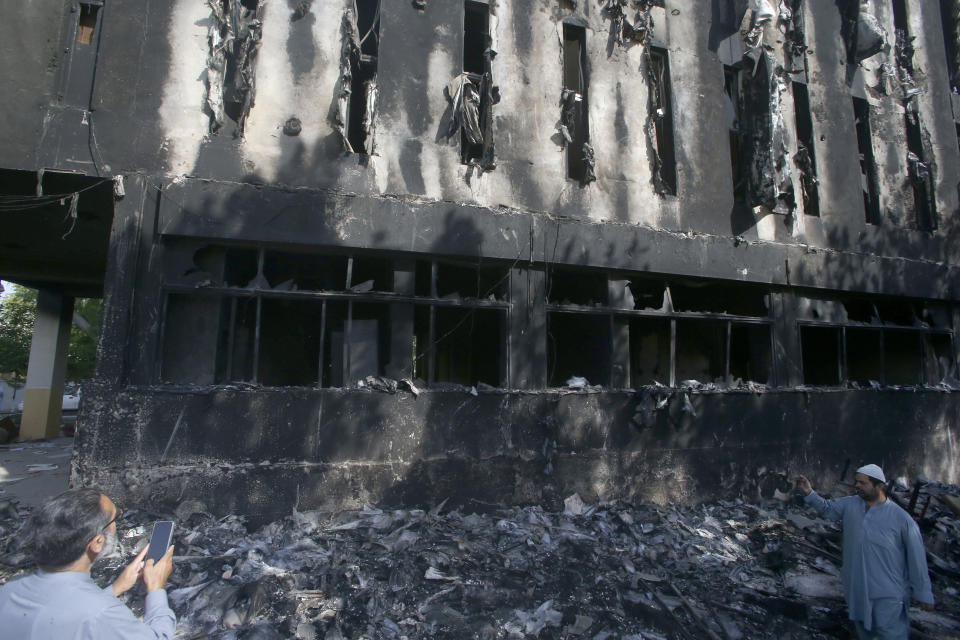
[602, 570]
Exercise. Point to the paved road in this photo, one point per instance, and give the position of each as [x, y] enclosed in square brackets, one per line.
[31, 472]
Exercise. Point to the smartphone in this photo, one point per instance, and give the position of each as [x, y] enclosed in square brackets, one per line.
[160, 539]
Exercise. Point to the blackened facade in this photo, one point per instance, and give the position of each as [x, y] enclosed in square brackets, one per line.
[363, 253]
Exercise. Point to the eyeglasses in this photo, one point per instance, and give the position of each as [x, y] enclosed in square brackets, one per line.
[116, 516]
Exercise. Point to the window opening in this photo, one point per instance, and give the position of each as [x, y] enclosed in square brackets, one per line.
[860, 310]
[648, 295]
[476, 66]
[363, 76]
[921, 177]
[578, 344]
[333, 356]
[750, 352]
[701, 350]
[470, 281]
[289, 342]
[87, 23]
[820, 347]
[901, 313]
[806, 159]
[240, 267]
[731, 86]
[577, 287]
[661, 116]
[868, 169]
[864, 355]
[718, 298]
[649, 351]
[304, 271]
[575, 124]
[371, 274]
[902, 353]
[194, 331]
[950, 21]
[937, 357]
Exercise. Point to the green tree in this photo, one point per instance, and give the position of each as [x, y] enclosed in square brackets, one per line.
[17, 312]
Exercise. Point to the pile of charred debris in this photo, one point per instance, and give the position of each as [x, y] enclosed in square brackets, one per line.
[604, 571]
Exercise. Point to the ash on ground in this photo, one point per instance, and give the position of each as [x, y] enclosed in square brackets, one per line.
[605, 571]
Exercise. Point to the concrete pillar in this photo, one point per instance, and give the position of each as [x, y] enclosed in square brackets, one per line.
[43, 395]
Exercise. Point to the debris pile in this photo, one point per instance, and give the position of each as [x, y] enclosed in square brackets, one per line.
[604, 571]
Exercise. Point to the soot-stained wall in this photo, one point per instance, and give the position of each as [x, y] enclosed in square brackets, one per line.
[273, 173]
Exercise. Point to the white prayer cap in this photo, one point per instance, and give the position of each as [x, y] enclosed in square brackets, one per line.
[873, 471]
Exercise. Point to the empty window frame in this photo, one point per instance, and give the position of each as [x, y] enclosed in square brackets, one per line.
[477, 66]
[702, 331]
[865, 356]
[869, 182]
[363, 76]
[950, 21]
[460, 323]
[87, 23]
[921, 174]
[806, 159]
[276, 318]
[574, 107]
[661, 106]
[734, 106]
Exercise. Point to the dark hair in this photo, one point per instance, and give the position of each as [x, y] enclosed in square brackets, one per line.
[58, 532]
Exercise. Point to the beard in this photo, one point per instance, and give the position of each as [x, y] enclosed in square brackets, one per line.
[110, 546]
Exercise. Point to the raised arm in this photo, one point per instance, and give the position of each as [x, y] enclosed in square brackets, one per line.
[830, 509]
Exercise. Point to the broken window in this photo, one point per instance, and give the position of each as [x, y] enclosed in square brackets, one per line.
[731, 87]
[459, 332]
[233, 38]
[750, 352]
[660, 123]
[711, 297]
[861, 31]
[864, 355]
[950, 21]
[87, 23]
[701, 350]
[575, 126]
[869, 183]
[577, 287]
[902, 353]
[578, 344]
[920, 172]
[805, 158]
[357, 89]
[820, 347]
[650, 352]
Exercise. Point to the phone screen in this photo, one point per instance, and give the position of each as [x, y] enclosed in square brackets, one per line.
[160, 540]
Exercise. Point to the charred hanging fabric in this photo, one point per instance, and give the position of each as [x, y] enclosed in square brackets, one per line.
[796, 32]
[905, 69]
[764, 137]
[357, 93]
[568, 115]
[659, 127]
[862, 32]
[627, 30]
[472, 94]
[234, 40]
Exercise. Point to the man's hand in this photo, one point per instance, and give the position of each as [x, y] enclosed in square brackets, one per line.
[803, 485]
[128, 577]
[155, 574]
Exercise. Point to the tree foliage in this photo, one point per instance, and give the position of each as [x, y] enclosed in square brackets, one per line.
[17, 312]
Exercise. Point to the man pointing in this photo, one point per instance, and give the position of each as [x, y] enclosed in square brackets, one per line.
[884, 561]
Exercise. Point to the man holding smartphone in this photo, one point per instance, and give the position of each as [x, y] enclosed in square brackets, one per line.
[66, 535]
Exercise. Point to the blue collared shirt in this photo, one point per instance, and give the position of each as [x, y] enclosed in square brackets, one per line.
[67, 604]
[883, 553]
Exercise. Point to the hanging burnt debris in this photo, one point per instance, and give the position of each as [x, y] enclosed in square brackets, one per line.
[905, 69]
[589, 164]
[861, 31]
[625, 29]
[660, 143]
[791, 14]
[472, 94]
[357, 93]
[764, 140]
[234, 40]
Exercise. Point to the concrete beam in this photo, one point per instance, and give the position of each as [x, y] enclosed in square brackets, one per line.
[43, 396]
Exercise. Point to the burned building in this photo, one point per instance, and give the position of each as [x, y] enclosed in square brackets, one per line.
[493, 251]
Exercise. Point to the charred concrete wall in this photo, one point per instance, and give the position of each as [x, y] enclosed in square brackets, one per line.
[608, 163]
[261, 452]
